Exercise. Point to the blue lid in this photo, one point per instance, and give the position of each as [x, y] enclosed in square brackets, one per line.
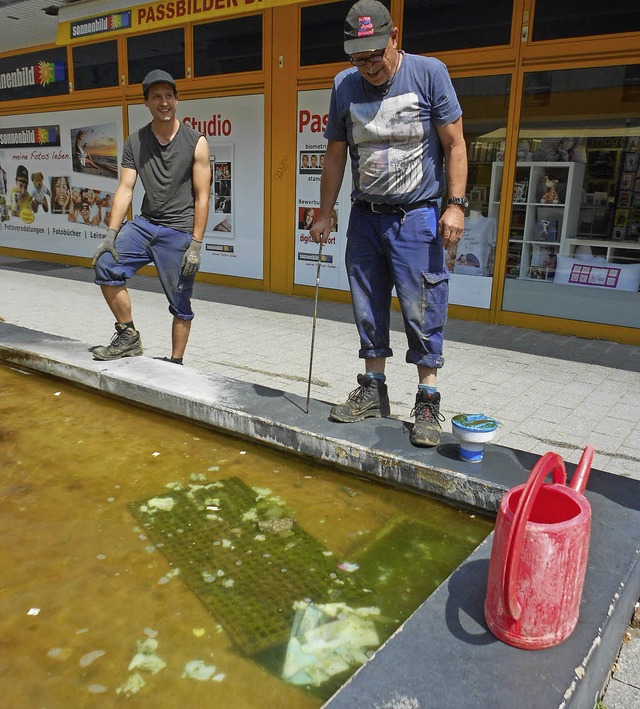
[475, 422]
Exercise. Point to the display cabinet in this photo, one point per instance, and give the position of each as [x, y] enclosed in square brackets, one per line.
[545, 209]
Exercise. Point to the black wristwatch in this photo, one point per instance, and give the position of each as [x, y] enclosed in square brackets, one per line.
[458, 201]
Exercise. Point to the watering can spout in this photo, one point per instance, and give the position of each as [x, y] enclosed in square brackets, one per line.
[581, 475]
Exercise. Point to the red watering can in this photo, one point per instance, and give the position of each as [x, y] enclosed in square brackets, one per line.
[539, 556]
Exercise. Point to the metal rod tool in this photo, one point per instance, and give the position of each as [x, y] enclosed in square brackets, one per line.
[313, 329]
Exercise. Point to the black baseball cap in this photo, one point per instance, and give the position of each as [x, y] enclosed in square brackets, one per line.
[22, 174]
[157, 76]
[367, 27]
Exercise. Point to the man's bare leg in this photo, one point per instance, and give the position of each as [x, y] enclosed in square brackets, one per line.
[179, 337]
[119, 302]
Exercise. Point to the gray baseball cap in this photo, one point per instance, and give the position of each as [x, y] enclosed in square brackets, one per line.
[367, 27]
[157, 76]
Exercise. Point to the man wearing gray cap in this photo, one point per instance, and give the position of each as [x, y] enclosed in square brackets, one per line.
[172, 161]
[398, 118]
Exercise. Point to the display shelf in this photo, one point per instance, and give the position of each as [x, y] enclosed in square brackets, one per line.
[545, 209]
[613, 251]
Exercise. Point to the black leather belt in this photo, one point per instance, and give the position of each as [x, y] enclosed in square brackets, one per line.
[402, 209]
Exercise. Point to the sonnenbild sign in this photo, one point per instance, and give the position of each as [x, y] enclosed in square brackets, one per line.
[33, 75]
[32, 137]
[112, 22]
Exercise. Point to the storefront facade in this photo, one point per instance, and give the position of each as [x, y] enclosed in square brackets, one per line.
[551, 101]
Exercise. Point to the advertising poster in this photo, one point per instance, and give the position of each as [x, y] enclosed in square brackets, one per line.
[234, 128]
[313, 107]
[58, 174]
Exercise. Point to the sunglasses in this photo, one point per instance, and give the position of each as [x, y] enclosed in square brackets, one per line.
[373, 58]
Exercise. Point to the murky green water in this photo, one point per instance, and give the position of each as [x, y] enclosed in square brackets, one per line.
[152, 563]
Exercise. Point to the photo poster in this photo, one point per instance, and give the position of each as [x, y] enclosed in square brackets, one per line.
[234, 129]
[58, 175]
[313, 108]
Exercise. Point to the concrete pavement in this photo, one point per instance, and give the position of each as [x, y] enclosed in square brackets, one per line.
[549, 392]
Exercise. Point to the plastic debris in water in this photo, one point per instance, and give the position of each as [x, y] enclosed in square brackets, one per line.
[146, 658]
[33, 611]
[327, 640]
[198, 632]
[198, 669]
[346, 566]
[60, 653]
[150, 663]
[97, 689]
[90, 657]
[132, 686]
[165, 504]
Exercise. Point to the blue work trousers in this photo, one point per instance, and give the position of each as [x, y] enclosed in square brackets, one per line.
[387, 250]
[139, 242]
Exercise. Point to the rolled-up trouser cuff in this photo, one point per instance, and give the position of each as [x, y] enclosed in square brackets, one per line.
[422, 360]
[373, 354]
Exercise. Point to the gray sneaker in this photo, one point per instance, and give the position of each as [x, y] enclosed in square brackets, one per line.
[369, 400]
[426, 430]
[125, 343]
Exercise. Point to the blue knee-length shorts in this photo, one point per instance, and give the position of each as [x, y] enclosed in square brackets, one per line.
[139, 242]
[384, 251]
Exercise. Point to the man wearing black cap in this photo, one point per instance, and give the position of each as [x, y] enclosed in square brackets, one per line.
[172, 161]
[20, 198]
[398, 117]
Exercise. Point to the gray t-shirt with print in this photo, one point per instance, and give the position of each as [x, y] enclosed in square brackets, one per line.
[395, 150]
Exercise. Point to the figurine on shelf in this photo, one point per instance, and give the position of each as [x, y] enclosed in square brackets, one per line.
[550, 195]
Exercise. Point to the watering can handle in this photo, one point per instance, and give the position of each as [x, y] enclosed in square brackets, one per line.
[548, 463]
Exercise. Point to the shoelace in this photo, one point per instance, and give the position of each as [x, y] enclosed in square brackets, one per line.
[115, 340]
[357, 395]
[118, 337]
[420, 412]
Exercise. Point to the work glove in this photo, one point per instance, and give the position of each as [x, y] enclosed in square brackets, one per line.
[108, 244]
[191, 259]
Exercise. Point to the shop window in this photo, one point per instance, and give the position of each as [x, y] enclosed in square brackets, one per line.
[228, 46]
[484, 101]
[95, 66]
[445, 25]
[577, 18]
[574, 207]
[322, 33]
[158, 50]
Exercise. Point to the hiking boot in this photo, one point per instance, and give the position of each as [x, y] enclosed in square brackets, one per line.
[426, 430]
[125, 343]
[369, 400]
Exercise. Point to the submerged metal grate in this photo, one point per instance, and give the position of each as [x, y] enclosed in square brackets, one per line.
[240, 551]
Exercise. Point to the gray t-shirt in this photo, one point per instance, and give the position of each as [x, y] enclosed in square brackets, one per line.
[396, 154]
[166, 172]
